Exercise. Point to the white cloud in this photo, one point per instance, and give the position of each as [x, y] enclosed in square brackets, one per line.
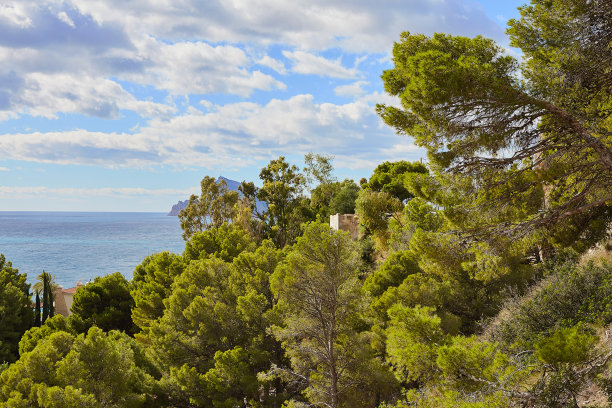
[199, 68]
[354, 90]
[15, 13]
[64, 17]
[194, 47]
[353, 25]
[275, 64]
[47, 94]
[309, 64]
[80, 56]
[4, 169]
[237, 133]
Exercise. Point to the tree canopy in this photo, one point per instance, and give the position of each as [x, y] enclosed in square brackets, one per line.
[215, 205]
[16, 314]
[505, 130]
[106, 303]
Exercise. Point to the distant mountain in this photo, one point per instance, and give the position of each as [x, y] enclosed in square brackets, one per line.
[176, 208]
[231, 184]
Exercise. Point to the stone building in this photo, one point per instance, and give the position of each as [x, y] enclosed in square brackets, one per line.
[345, 222]
[63, 299]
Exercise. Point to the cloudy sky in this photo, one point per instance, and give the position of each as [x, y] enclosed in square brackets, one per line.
[115, 105]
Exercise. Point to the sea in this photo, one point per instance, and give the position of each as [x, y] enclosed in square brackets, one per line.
[78, 246]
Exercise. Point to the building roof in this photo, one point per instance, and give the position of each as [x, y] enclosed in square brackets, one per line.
[71, 291]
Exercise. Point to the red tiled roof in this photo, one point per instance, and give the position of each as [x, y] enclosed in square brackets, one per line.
[70, 290]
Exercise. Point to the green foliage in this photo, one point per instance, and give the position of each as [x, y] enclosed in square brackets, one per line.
[421, 214]
[32, 337]
[381, 200]
[106, 302]
[319, 168]
[37, 317]
[150, 286]
[374, 209]
[319, 295]
[215, 206]
[471, 279]
[282, 190]
[389, 177]
[468, 364]
[15, 309]
[467, 103]
[224, 242]
[334, 198]
[397, 267]
[343, 202]
[329, 196]
[413, 338]
[212, 338]
[89, 370]
[571, 294]
[565, 345]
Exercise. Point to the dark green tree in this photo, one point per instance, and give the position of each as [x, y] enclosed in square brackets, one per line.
[47, 286]
[37, 320]
[15, 309]
[150, 286]
[343, 201]
[106, 303]
[213, 338]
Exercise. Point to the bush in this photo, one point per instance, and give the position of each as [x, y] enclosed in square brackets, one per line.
[570, 295]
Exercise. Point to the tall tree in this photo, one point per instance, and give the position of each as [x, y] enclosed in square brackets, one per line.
[150, 286]
[15, 309]
[106, 302]
[282, 190]
[511, 133]
[37, 320]
[319, 168]
[47, 286]
[319, 291]
[215, 205]
[213, 340]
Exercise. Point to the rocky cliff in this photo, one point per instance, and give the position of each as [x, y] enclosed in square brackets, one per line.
[176, 208]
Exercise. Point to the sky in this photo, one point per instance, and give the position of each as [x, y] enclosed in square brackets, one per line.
[114, 105]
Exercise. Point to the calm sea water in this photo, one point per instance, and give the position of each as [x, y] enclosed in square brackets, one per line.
[76, 246]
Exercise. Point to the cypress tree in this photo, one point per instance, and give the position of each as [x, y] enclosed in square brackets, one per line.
[37, 321]
[50, 296]
[46, 290]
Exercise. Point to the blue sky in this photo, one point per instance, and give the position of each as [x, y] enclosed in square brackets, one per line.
[115, 105]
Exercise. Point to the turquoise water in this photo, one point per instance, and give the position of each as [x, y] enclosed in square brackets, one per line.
[76, 246]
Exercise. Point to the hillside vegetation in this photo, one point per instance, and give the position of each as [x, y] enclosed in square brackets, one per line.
[482, 278]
